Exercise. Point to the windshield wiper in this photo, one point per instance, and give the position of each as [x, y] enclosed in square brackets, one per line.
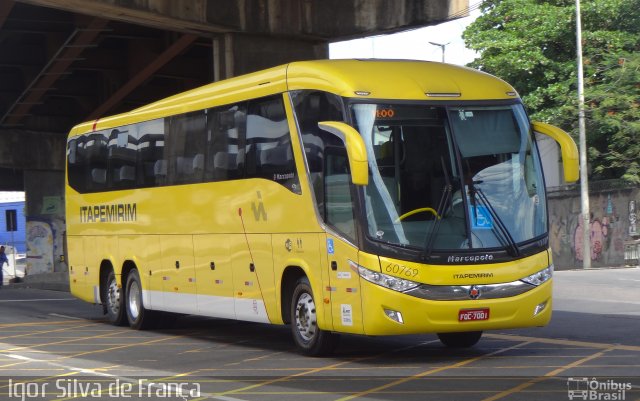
[444, 200]
[476, 191]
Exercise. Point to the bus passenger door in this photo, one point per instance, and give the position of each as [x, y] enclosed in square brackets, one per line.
[346, 306]
[253, 285]
[178, 274]
[214, 278]
[344, 283]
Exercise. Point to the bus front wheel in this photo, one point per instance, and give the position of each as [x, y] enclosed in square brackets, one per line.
[460, 340]
[113, 301]
[309, 338]
[139, 318]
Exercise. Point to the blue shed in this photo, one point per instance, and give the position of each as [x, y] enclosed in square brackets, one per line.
[12, 214]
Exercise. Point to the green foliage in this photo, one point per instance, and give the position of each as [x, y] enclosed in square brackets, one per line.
[532, 45]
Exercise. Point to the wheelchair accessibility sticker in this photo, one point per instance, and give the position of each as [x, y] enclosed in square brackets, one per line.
[481, 218]
[330, 249]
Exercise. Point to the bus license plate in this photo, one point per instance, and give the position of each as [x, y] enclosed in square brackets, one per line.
[471, 315]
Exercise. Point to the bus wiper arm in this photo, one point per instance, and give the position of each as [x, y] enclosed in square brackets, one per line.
[444, 200]
[511, 244]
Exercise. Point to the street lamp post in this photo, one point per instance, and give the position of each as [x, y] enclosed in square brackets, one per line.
[441, 46]
[584, 181]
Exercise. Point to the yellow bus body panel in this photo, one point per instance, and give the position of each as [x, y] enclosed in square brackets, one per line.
[225, 246]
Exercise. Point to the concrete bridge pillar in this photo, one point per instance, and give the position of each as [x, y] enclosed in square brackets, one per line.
[40, 159]
[46, 228]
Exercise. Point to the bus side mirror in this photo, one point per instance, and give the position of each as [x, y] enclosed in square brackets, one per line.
[356, 151]
[567, 147]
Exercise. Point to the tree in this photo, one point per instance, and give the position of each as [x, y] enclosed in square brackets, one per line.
[531, 45]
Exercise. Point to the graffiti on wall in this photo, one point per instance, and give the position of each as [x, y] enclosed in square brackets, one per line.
[611, 222]
[45, 239]
[39, 247]
[633, 229]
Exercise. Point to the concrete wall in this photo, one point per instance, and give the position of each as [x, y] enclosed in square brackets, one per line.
[613, 208]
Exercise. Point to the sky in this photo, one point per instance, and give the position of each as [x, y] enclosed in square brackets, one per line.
[413, 44]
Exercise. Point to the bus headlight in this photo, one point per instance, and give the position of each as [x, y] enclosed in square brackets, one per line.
[539, 277]
[384, 280]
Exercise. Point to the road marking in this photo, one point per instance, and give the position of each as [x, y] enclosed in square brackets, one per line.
[553, 373]
[429, 372]
[141, 383]
[29, 324]
[73, 369]
[66, 316]
[63, 341]
[157, 340]
[572, 343]
[33, 333]
[308, 372]
[37, 300]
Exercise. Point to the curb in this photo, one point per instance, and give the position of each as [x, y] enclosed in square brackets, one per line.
[58, 281]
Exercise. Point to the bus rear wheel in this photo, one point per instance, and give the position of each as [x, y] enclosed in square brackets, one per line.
[308, 337]
[138, 316]
[113, 301]
[460, 340]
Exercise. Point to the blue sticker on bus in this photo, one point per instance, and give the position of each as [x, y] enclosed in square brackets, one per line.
[330, 249]
[481, 218]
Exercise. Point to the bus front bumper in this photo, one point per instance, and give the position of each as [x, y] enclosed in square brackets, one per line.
[389, 312]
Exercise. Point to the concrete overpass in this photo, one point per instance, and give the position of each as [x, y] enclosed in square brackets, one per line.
[67, 61]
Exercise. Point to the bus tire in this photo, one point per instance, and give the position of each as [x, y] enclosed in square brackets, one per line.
[138, 316]
[113, 301]
[308, 337]
[460, 340]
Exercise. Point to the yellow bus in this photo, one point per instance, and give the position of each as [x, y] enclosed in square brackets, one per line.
[336, 196]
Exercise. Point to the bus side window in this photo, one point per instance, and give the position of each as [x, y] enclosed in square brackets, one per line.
[337, 190]
[76, 165]
[268, 151]
[310, 108]
[187, 136]
[225, 124]
[151, 168]
[95, 156]
[123, 149]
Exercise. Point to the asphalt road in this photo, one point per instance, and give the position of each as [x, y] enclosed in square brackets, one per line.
[53, 347]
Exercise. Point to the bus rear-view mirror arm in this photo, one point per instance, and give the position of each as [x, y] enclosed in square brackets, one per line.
[356, 150]
[568, 148]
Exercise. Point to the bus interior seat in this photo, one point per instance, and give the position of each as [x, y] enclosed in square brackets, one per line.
[125, 173]
[223, 164]
[184, 165]
[160, 168]
[198, 162]
[273, 111]
[271, 159]
[99, 175]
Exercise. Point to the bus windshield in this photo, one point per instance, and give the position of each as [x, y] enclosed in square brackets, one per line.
[451, 178]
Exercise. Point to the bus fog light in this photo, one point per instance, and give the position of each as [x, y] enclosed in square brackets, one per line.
[394, 315]
[539, 308]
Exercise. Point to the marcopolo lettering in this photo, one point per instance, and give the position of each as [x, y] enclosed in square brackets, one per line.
[470, 258]
[114, 213]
